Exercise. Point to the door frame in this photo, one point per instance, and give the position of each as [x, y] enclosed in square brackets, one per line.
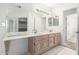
[65, 14]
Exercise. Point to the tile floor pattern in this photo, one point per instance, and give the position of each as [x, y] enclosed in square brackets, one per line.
[60, 50]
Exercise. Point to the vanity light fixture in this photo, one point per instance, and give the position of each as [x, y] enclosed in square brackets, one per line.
[19, 6]
[41, 11]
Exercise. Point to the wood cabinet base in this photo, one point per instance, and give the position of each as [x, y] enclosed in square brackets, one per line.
[40, 44]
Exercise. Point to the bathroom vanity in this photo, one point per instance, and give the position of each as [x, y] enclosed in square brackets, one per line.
[42, 43]
[38, 43]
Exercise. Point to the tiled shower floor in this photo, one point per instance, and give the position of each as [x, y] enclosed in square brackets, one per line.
[60, 50]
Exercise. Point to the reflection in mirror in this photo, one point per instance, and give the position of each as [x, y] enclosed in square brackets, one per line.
[50, 21]
[10, 27]
[22, 24]
[43, 23]
[17, 24]
[56, 21]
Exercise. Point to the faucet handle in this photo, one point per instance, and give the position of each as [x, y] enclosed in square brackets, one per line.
[35, 31]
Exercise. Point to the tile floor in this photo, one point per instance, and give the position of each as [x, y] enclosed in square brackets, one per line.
[60, 50]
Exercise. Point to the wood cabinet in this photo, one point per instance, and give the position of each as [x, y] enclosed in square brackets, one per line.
[31, 45]
[44, 42]
[37, 44]
[40, 44]
[51, 41]
[57, 38]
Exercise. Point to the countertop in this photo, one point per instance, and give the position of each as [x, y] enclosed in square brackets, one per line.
[25, 35]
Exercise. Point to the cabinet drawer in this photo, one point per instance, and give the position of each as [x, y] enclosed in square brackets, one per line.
[57, 34]
[51, 35]
[37, 38]
[51, 42]
[41, 37]
[44, 36]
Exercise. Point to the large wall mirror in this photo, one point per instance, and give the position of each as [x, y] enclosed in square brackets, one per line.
[17, 24]
[22, 24]
[50, 21]
[56, 21]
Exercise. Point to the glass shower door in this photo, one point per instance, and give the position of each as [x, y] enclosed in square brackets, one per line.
[72, 29]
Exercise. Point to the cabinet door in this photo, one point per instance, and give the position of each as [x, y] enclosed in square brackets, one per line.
[37, 44]
[31, 45]
[51, 42]
[44, 42]
[41, 44]
[57, 39]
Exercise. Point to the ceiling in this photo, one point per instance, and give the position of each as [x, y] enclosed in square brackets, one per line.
[50, 5]
[61, 5]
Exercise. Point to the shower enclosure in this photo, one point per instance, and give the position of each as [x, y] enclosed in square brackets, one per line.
[71, 29]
